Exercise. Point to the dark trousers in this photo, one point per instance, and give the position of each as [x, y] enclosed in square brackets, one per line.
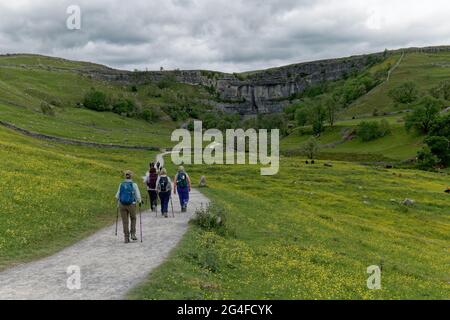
[183, 195]
[153, 198]
[164, 197]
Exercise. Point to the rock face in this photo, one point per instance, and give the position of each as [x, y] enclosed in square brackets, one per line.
[266, 91]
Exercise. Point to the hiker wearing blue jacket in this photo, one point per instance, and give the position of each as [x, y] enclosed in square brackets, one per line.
[128, 196]
[182, 185]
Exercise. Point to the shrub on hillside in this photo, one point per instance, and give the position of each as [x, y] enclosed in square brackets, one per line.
[47, 109]
[310, 148]
[125, 107]
[406, 92]
[426, 160]
[371, 130]
[150, 115]
[440, 147]
[424, 115]
[441, 91]
[96, 100]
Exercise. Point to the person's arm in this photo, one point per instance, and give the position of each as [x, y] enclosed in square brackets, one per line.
[137, 193]
[189, 181]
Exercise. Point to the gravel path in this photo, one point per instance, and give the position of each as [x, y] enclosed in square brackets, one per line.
[108, 267]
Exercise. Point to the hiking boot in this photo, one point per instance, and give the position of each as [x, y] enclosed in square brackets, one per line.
[127, 240]
[166, 215]
[133, 237]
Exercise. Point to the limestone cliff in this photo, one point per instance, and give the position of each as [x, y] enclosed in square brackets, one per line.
[264, 91]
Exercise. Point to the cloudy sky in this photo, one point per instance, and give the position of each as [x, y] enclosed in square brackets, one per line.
[226, 35]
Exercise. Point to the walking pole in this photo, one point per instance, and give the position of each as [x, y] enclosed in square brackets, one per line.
[117, 218]
[140, 220]
[171, 204]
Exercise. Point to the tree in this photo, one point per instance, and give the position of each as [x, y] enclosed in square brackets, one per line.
[331, 107]
[424, 115]
[426, 159]
[441, 126]
[318, 116]
[301, 116]
[406, 92]
[310, 148]
[371, 130]
[440, 147]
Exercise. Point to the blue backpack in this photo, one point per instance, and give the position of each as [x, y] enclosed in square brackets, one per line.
[126, 194]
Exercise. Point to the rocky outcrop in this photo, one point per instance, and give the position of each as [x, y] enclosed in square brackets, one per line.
[265, 91]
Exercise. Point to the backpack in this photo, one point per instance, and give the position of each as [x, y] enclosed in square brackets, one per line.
[163, 184]
[182, 180]
[151, 182]
[126, 194]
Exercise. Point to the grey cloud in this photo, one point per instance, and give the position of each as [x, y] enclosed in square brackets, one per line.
[227, 35]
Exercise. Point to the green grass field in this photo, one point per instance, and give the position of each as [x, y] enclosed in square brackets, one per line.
[53, 195]
[310, 233]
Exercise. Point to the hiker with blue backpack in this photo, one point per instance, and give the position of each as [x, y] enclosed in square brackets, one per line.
[183, 187]
[164, 188]
[128, 197]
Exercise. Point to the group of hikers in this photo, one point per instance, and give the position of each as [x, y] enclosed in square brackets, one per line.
[159, 185]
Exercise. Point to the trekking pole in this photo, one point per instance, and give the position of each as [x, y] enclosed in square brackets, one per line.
[171, 204]
[140, 220]
[117, 218]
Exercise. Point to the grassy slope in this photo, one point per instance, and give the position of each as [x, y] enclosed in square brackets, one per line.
[308, 234]
[399, 145]
[27, 80]
[53, 195]
[426, 70]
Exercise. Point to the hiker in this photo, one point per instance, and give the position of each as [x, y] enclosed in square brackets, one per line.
[158, 166]
[150, 180]
[182, 185]
[128, 196]
[164, 188]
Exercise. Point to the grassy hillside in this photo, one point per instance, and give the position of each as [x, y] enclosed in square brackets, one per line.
[26, 81]
[310, 233]
[398, 145]
[425, 70]
[53, 195]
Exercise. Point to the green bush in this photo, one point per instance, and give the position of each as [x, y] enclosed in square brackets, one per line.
[124, 107]
[406, 92]
[371, 130]
[440, 147]
[96, 100]
[150, 115]
[211, 218]
[426, 160]
[47, 109]
[424, 115]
